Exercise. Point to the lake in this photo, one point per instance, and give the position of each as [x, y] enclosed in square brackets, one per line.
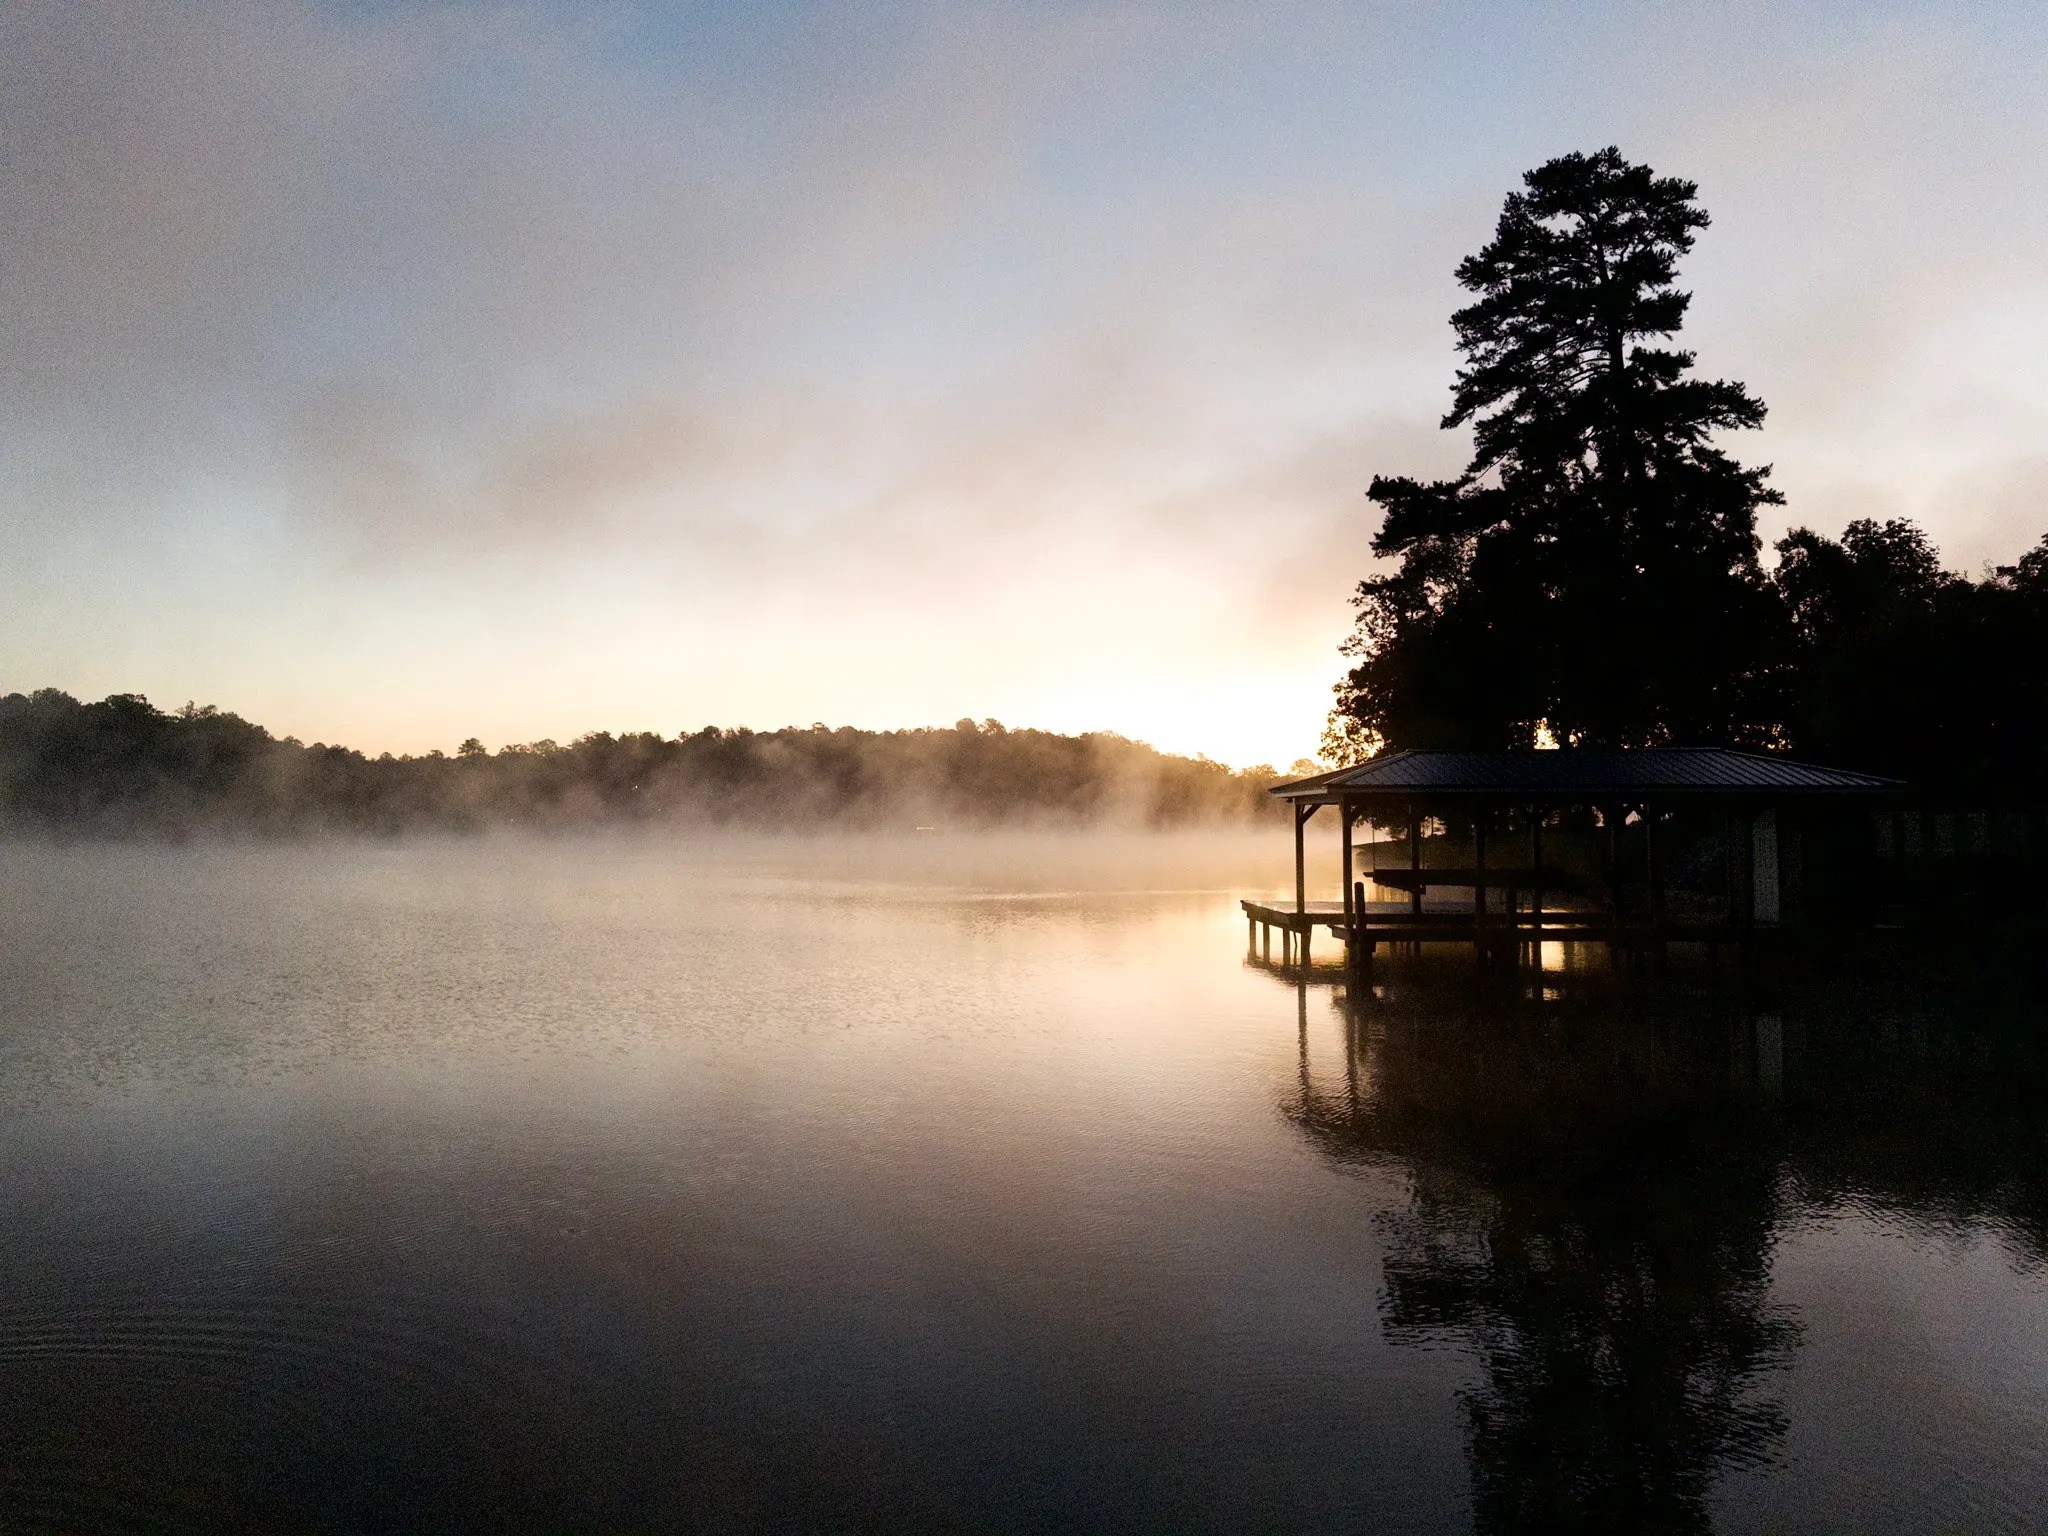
[974, 1183]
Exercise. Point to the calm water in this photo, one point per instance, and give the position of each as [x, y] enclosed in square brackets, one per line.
[969, 1184]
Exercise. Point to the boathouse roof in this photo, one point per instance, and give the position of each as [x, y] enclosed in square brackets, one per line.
[1586, 773]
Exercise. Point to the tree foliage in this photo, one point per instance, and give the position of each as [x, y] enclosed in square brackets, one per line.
[1593, 573]
[1896, 664]
[123, 766]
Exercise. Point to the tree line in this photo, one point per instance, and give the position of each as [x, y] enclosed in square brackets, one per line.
[122, 766]
[1595, 576]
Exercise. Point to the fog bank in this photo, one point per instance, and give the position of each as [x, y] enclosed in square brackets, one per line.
[123, 767]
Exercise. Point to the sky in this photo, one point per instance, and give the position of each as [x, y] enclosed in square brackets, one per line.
[391, 374]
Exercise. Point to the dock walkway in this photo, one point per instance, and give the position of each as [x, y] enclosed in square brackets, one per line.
[1384, 922]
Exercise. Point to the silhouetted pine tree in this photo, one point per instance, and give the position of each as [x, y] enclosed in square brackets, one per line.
[1594, 570]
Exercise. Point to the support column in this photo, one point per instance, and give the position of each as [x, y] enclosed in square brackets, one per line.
[1653, 873]
[1361, 939]
[1728, 867]
[1301, 816]
[1766, 899]
[1536, 896]
[1745, 855]
[1653, 879]
[1415, 854]
[1611, 814]
[1415, 870]
[1350, 916]
[1479, 884]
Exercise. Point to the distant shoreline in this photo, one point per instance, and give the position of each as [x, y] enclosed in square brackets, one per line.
[121, 767]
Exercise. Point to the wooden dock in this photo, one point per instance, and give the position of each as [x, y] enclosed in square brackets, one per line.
[1494, 933]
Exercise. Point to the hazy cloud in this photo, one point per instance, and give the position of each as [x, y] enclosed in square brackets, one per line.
[902, 362]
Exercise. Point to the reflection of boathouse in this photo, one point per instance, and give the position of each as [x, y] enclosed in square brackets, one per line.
[1509, 850]
[1596, 1185]
[1593, 1197]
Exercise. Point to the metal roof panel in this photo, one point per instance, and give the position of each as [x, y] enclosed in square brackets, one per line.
[1587, 771]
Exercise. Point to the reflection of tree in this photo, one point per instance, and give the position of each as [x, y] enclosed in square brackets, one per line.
[1592, 1213]
[1597, 1186]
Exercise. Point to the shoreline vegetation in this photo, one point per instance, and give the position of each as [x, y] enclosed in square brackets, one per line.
[121, 767]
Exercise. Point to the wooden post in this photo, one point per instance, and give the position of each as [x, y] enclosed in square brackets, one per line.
[1479, 861]
[1746, 856]
[1767, 866]
[1536, 896]
[1350, 917]
[1728, 866]
[1415, 856]
[1300, 861]
[1361, 942]
[1612, 816]
[1479, 883]
[1653, 878]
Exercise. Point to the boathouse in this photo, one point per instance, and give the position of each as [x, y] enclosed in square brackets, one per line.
[1505, 850]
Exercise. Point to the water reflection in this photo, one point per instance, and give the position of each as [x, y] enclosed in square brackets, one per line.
[1599, 1183]
[607, 1186]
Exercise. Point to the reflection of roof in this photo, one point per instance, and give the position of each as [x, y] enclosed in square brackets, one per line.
[1584, 771]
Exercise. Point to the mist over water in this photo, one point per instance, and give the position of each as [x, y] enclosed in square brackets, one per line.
[967, 1181]
[124, 768]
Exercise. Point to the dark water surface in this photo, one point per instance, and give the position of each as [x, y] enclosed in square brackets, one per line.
[971, 1184]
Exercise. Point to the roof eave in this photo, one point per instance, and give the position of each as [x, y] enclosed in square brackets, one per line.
[1295, 788]
[1330, 793]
